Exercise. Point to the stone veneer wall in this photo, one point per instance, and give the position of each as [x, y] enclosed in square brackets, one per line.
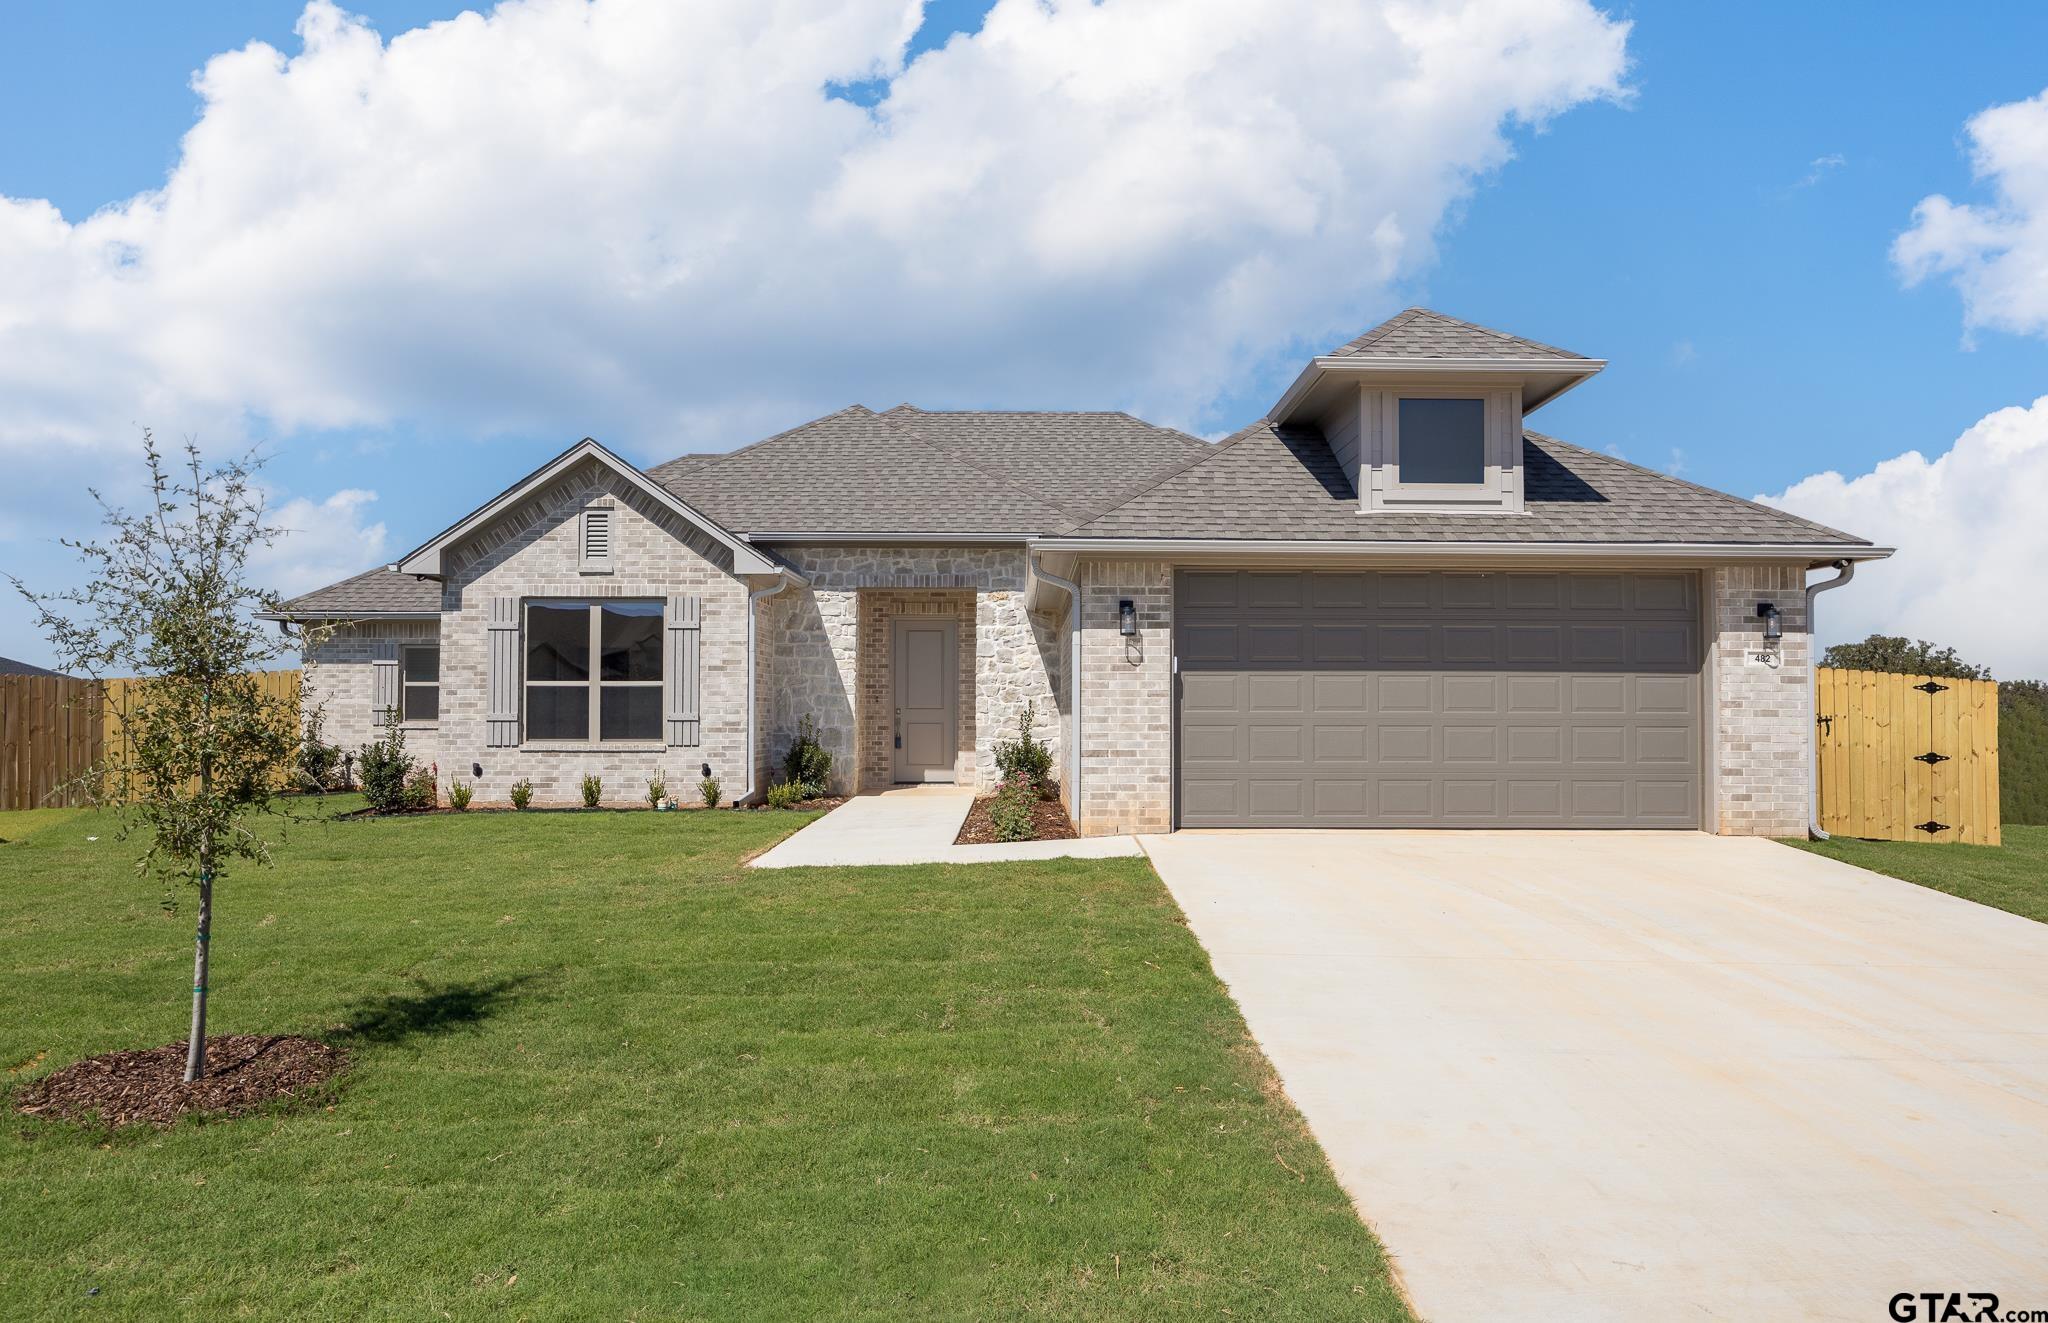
[337, 678]
[1126, 699]
[533, 552]
[825, 652]
[1763, 717]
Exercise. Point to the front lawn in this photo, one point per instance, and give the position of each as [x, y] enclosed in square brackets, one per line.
[602, 1071]
[2011, 877]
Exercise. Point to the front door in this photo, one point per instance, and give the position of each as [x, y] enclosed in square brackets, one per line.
[927, 676]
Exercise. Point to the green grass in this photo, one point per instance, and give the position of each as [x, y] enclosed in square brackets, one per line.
[2011, 877]
[18, 824]
[595, 1054]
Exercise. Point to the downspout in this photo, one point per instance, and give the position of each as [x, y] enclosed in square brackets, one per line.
[1845, 570]
[1073, 592]
[783, 579]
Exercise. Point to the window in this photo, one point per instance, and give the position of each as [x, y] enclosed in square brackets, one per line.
[567, 698]
[419, 673]
[1442, 442]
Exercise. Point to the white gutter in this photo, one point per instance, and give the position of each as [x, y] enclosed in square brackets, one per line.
[1845, 570]
[784, 578]
[1424, 551]
[1073, 591]
[345, 617]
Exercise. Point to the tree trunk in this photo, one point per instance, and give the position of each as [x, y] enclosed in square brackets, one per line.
[195, 1045]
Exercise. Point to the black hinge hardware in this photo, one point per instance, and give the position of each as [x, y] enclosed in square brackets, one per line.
[1931, 826]
[1825, 722]
[1930, 758]
[1932, 688]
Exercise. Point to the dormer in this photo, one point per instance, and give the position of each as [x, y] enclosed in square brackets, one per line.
[1424, 412]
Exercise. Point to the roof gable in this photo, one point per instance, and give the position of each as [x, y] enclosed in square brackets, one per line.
[425, 559]
[1423, 333]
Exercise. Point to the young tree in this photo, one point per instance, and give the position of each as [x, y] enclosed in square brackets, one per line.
[1898, 656]
[167, 599]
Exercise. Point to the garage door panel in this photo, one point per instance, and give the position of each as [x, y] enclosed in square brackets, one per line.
[1411, 698]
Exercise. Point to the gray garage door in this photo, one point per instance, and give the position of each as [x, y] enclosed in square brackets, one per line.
[1437, 699]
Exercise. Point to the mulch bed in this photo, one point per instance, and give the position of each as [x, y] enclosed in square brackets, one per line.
[802, 805]
[147, 1087]
[1048, 823]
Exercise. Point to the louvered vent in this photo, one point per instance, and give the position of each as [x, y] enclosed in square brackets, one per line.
[597, 538]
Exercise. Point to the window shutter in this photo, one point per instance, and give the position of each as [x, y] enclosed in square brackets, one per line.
[383, 681]
[685, 639]
[501, 684]
[597, 539]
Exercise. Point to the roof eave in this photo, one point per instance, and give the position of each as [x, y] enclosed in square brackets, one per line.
[300, 617]
[1572, 370]
[1818, 552]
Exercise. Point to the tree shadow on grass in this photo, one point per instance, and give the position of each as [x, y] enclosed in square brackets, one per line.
[429, 1009]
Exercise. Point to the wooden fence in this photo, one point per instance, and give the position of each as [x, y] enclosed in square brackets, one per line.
[54, 729]
[1908, 757]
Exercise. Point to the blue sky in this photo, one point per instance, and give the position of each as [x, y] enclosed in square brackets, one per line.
[1721, 233]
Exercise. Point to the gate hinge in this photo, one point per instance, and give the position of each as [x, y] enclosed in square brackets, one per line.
[1825, 721]
[1930, 758]
[1931, 826]
[1932, 688]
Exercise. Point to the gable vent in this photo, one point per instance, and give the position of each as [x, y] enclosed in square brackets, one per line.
[597, 539]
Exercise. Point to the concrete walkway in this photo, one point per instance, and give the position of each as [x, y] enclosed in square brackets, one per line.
[916, 825]
[1632, 1075]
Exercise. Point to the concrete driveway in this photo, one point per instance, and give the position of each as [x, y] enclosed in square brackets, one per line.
[1645, 1075]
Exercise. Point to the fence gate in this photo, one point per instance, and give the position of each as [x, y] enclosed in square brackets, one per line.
[1908, 757]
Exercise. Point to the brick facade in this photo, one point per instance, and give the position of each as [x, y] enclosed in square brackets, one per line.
[825, 653]
[1762, 716]
[533, 552]
[1126, 699]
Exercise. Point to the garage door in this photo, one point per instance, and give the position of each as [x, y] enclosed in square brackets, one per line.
[1437, 699]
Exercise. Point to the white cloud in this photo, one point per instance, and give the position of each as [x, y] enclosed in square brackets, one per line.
[1996, 252]
[1820, 167]
[1971, 543]
[322, 542]
[650, 222]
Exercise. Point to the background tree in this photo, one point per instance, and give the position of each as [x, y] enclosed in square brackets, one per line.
[1898, 656]
[167, 599]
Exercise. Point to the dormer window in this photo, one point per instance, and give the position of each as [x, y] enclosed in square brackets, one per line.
[1441, 442]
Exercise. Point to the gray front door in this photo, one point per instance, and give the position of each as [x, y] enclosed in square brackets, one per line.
[1419, 698]
[927, 684]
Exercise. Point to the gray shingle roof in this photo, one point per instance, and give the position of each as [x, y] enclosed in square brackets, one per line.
[913, 470]
[372, 591]
[9, 666]
[1421, 333]
[1269, 482]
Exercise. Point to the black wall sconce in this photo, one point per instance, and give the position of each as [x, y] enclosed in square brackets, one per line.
[1774, 629]
[1126, 617]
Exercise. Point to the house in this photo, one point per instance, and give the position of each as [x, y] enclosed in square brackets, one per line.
[9, 666]
[1385, 603]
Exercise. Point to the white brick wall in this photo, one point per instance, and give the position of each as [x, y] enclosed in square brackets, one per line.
[533, 552]
[1762, 717]
[1126, 699]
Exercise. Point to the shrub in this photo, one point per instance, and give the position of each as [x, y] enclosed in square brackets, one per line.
[657, 790]
[322, 766]
[459, 792]
[385, 768]
[710, 790]
[1011, 813]
[593, 790]
[423, 787]
[808, 763]
[1026, 756]
[522, 793]
[786, 794]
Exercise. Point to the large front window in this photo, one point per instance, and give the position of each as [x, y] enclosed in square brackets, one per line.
[1442, 442]
[570, 698]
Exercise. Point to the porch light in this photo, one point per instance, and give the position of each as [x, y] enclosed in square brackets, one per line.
[1126, 617]
[1773, 630]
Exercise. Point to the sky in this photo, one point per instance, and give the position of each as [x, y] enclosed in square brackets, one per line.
[409, 252]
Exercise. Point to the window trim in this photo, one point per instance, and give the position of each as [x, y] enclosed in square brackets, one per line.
[593, 735]
[1486, 465]
[405, 685]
